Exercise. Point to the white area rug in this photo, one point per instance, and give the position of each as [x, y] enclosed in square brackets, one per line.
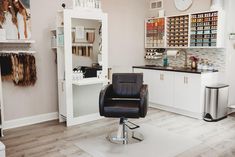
[157, 143]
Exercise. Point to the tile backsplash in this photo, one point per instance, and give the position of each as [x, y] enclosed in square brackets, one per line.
[215, 56]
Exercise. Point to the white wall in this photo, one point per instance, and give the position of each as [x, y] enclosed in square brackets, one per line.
[22, 102]
[230, 49]
[170, 9]
[126, 33]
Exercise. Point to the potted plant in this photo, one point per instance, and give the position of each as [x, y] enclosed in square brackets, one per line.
[194, 61]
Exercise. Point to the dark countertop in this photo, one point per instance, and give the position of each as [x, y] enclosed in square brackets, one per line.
[175, 69]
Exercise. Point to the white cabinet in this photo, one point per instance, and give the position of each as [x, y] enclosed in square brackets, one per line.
[163, 90]
[178, 92]
[148, 79]
[159, 84]
[187, 93]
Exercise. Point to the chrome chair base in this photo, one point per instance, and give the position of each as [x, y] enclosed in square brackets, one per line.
[132, 137]
[125, 134]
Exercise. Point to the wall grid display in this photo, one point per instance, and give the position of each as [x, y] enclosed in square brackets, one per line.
[177, 31]
[204, 29]
[195, 30]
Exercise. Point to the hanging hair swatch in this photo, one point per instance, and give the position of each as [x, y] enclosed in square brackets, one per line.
[20, 68]
[6, 67]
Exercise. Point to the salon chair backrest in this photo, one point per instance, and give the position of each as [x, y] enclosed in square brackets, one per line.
[127, 85]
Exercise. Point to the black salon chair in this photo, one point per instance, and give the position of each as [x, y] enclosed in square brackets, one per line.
[125, 98]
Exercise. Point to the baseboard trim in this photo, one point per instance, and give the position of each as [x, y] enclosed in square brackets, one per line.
[29, 120]
[177, 111]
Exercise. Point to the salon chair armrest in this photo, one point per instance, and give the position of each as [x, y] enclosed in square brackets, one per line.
[144, 100]
[105, 93]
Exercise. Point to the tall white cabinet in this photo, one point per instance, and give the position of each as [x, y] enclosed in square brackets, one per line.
[78, 99]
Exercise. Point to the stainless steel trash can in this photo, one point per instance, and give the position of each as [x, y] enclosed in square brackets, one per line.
[216, 102]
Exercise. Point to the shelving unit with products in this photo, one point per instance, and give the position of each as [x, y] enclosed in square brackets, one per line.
[195, 30]
[204, 28]
[155, 32]
[84, 46]
[177, 31]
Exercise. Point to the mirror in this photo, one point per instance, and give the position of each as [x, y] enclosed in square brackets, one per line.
[86, 50]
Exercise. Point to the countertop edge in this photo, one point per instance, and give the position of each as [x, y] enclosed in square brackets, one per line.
[177, 70]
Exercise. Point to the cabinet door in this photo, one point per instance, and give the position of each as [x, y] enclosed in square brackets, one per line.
[160, 86]
[187, 92]
[163, 88]
[149, 80]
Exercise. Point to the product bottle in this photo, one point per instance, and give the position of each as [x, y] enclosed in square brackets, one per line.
[165, 61]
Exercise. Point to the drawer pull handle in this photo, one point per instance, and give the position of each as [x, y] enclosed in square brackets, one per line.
[62, 86]
[161, 77]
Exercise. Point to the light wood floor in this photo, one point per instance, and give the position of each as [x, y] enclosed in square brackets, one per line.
[52, 139]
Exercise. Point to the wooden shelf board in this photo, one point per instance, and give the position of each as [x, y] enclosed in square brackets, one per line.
[203, 47]
[17, 52]
[82, 44]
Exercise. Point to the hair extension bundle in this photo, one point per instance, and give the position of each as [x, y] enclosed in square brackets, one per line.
[26, 70]
[6, 67]
[20, 68]
[33, 71]
[15, 67]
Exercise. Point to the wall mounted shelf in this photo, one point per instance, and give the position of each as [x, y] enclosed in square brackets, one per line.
[177, 31]
[155, 32]
[82, 44]
[17, 52]
[195, 30]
